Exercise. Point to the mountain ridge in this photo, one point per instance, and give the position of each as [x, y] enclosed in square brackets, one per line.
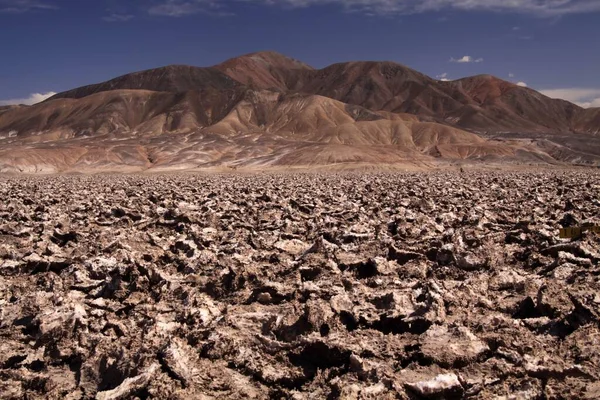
[471, 103]
[266, 109]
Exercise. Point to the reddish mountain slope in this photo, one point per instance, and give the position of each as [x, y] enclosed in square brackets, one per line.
[482, 103]
[495, 102]
[264, 70]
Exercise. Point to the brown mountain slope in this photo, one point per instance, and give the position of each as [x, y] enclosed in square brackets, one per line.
[263, 70]
[173, 78]
[137, 130]
[4, 109]
[130, 112]
[377, 86]
[588, 121]
[267, 109]
[480, 103]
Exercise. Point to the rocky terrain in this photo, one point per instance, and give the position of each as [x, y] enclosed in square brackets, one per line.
[268, 110]
[302, 286]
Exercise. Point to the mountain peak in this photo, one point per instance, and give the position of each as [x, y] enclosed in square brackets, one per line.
[271, 58]
[264, 69]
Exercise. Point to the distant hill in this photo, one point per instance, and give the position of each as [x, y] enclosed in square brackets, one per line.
[267, 109]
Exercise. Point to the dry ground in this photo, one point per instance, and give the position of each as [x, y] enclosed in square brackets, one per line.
[304, 286]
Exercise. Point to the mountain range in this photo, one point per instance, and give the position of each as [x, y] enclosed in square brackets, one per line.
[268, 110]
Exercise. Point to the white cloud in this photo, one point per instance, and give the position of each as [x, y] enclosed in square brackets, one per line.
[22, 6]
[115, 17]
[32, 99]
[594, 103]
[466, 59]
[443, 77]
[175, 8]
[583, 97]
[511, 75]
[180, 8]
[522, 84]
[541, 8]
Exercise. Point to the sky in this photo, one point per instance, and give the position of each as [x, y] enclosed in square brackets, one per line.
[49, 46]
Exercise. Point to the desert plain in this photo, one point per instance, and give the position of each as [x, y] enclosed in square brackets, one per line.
[349, 285]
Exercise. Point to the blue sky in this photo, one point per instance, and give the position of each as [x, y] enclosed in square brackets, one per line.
[54, 45]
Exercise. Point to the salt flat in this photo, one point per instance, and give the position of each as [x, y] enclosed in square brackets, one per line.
[300, 285]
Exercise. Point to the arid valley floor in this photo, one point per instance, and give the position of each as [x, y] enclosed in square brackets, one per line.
[305, 286]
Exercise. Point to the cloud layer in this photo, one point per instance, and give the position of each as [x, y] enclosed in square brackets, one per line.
[178, 8]
[21, 6]
[585, 98]
[32, 99]
[543, 8]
